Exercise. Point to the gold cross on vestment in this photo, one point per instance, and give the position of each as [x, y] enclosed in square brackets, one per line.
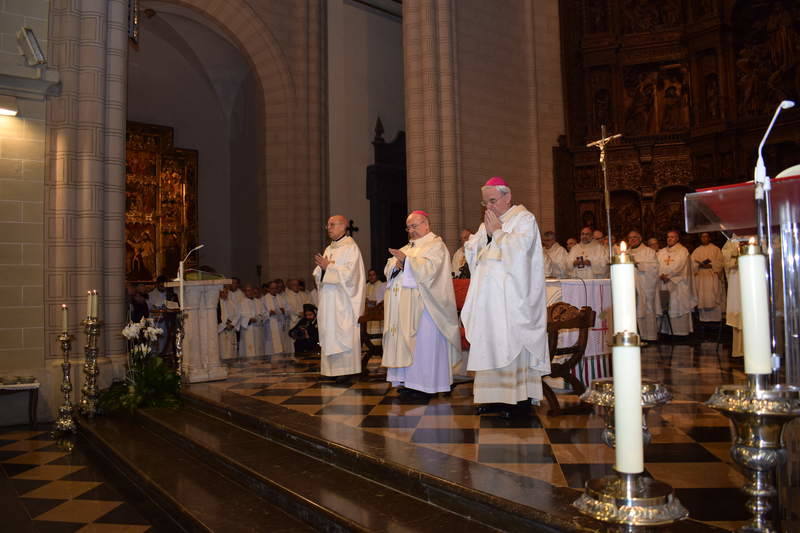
[668, 260]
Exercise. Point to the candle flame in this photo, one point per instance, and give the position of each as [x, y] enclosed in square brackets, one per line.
[752, 240]
[63, 306]
[623, 247]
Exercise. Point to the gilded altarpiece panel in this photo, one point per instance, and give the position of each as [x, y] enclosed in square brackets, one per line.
[161, 202]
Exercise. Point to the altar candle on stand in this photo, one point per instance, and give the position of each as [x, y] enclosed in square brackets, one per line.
[627, 364]
[623, 291]
[755, 310]
[64, 318]
[88, 304]
[94, 304]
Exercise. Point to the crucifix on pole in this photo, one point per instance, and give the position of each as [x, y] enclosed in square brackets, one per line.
[601, 144]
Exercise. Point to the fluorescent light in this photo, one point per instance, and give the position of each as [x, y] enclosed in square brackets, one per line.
[8, 106]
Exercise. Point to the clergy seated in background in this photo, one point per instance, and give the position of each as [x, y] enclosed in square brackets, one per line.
[421, 333]
[157, 300]
[339, 275]
[227, 325]
[459, 260]
[505, 313]
[296, 299]
[556, 257]
[675, 284]
[733, 308]
[653, 243]
[273, 316]
[251, 338]
[707, 266]
[305, 333]
[588, 259]
[571, 242]
[647, 283]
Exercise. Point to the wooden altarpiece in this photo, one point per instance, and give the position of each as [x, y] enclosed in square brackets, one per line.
[161, 202]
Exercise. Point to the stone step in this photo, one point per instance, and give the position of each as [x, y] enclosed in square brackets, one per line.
[325, 496]
[195, 496]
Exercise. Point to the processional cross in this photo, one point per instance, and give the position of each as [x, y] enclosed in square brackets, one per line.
[601, 144]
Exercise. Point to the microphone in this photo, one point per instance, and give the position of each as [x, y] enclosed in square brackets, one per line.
[191, 252]
[760, 174]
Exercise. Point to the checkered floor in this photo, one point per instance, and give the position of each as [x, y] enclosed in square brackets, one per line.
[689, 449]
[47, 489]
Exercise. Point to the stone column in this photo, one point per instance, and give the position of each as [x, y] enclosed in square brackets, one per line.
[85, 174]
[432, 146]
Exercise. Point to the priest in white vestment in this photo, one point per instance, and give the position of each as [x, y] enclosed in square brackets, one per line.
[675, 275]
[339, 274]
[295, 300]
[556, 256]
[283, 305]
[505, 312]
[235, 292]
[421, 333]
[227, 325]
[250, 338]
[588, 259]
[647, 283]
[707, 266]
[273, 321]
[459, 260]
[733, 308]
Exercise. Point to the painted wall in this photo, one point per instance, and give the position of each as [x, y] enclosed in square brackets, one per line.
[365, 80]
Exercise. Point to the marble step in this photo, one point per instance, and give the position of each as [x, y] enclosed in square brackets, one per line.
[195, 496]
[323, 495]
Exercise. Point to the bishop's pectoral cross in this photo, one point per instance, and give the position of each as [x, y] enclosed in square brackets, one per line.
[668, 260]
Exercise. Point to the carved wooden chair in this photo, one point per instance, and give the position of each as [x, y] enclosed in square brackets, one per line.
[371, 314]
[561, 316]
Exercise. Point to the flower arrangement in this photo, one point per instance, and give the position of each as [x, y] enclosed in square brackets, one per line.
[148, 381]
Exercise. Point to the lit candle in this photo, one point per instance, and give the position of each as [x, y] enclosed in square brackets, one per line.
[755, 310]
[623, 291]
[629, 449]
[88, 304]
[180, 284]
[94, 304]
[64, 318]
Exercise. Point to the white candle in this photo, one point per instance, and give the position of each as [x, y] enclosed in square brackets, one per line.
[628, 409]
[623, 291]
[88, 304]
[755, 310]
[180, 284]
[64, 318]
[94, 304]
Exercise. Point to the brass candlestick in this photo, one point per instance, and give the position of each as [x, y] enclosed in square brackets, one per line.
[179, 334]
[759, 413]
[88, 404]
[65, 422]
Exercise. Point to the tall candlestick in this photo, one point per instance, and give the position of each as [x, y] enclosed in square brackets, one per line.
[629, 450]
[623, 291]
[88, 304]
[755, 310]
[94, 304]
[64, 318]
[180, 284]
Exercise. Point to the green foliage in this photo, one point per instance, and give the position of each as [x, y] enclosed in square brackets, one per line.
[151, 384]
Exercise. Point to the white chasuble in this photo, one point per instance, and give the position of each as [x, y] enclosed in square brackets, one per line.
[674, 263]
[707, 265]
[273, 324]
[249, 340]
[341, 303]
[227, 328]
[646, 286]
[596, 253]
[505, 312]
[421, 292]
[558, 261]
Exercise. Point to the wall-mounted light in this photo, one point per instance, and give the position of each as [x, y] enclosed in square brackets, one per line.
[29, 44]
[8, 106]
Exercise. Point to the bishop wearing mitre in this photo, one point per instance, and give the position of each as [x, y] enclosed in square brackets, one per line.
[421, 335]
[339, 275]
[505, 312]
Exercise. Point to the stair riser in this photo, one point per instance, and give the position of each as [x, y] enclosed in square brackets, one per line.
[171, 510]
[295, 504]
[446, 495]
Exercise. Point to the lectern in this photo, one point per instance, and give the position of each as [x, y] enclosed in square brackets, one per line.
[201, 360]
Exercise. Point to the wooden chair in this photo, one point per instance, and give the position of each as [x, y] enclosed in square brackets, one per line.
[371, 314]
[561, 316]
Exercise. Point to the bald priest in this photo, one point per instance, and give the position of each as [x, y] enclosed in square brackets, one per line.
[421, 336]
[339, 275]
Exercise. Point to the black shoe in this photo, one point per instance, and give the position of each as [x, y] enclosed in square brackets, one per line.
[341, 380]
[487, 408]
